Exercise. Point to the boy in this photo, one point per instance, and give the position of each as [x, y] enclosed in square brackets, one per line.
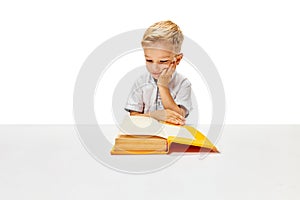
[162, 93]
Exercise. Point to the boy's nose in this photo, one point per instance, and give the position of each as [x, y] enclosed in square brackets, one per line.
[155, 67]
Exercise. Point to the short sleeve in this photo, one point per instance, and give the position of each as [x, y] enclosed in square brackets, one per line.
[135, 99]
[183, 97]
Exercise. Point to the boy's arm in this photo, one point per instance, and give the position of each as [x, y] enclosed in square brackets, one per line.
[163, 85]
[168, 101]
[165, 115]
[134, 113]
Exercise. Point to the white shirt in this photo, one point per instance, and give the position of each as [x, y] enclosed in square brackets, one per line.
[144, 96]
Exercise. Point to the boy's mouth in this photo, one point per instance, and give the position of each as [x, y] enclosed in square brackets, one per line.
[156, 74]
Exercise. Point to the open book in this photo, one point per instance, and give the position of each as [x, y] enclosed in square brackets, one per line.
[144, 135]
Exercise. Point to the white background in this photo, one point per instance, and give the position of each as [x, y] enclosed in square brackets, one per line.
[255, 46]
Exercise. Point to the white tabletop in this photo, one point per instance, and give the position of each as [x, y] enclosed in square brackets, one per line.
[50, 162]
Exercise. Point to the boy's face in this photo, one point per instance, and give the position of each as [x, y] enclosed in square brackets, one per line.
[159, 57]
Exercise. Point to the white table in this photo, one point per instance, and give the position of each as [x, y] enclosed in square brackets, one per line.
[49, 162]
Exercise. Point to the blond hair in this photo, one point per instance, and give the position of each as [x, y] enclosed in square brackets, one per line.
[165, 31]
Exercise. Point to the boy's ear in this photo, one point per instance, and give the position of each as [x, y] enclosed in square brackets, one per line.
[178, 58]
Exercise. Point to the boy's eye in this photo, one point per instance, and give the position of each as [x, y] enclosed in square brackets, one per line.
[148, 60]
[164, 61]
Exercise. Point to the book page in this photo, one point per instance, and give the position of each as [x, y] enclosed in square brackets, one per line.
[177, 131]
[140, 125]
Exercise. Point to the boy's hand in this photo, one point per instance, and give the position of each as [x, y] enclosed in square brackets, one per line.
[168, 116]
[166, 75]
